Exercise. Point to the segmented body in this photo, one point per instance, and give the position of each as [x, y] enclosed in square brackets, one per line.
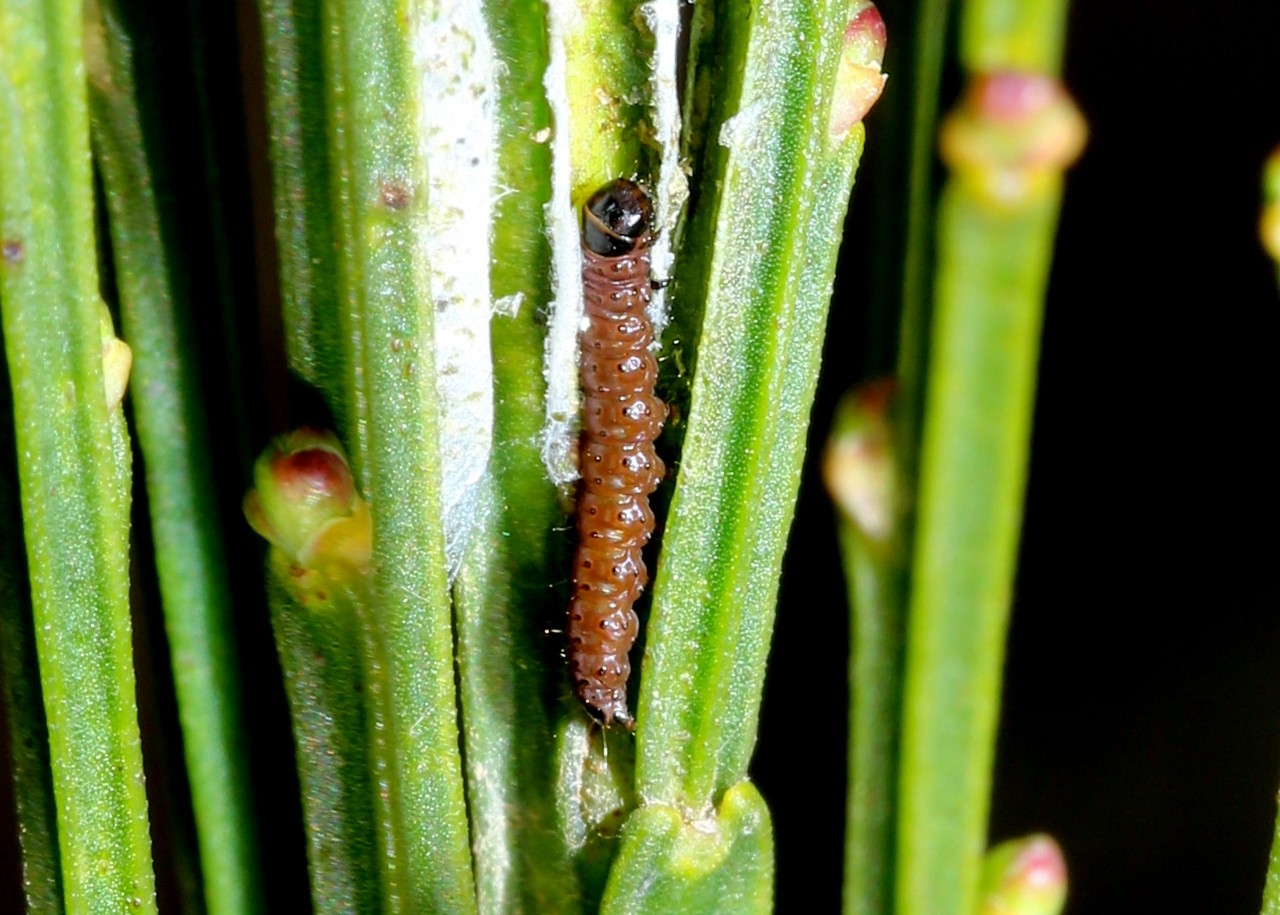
[621, 418]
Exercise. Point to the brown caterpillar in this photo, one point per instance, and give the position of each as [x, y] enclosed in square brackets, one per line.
[621, 417]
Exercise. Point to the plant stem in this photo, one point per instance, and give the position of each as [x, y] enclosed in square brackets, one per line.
[913, 340]
[20, 705]
[981, 382]
[1013, 35]
[393, 427]
[74, 469]
[320, 644]
[172, 436]
[306, 249]
[769, 209]
[860, 470]
[1008, 143]
[502, 604]
[1271, 892]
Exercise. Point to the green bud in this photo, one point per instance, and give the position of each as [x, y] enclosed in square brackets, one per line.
[1025, 876]
[117, 361]
[1012, 135]
[305, 502]
[1271, 177]
[859, 81]
[859, 465]
[1269, 227]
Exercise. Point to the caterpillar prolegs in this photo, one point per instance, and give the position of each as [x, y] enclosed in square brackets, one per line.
[621, 417]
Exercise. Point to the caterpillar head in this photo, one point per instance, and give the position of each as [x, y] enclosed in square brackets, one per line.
[617, 219]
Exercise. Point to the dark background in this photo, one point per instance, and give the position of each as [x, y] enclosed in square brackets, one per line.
[1141, 716]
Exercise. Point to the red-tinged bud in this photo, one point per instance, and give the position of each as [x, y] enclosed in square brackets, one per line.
[1024, 877]
[859, 465]
[859, 81]
[1269, 228]
[305, 502]
[1013, 98]
[1012, 133]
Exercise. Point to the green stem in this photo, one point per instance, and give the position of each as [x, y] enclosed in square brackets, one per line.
[74, 469]
[765, 281]
[395, 882]
[913, 340]
[996, 223]
[392, 421]
[977, 428]
[310, 298]
[504, 608]
[1008, 144]
[20, 705]
[607, 55]
[318, 639]
[876, 589]
[860, 469]
[1013, 35]
[172, 435]
[502, 603]
[1271, 892]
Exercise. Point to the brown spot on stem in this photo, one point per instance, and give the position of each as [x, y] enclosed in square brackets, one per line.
[396, 195]
[13, 251]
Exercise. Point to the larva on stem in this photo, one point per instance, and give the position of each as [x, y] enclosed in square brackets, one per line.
[621, 417]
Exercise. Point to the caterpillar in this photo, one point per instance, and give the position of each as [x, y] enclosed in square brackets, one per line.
[621, 417]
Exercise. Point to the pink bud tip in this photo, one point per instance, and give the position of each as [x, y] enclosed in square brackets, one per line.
[1042, 864]
[867, 29]
[1012, 97]
[859, 80]
[1024, 877]
[859, 461]
[1012, 135]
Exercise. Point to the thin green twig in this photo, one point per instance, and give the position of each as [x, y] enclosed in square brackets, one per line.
[1008, 143]
[68, 374]
[190, 560]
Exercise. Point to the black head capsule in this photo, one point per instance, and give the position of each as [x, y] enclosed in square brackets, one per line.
[616, 220]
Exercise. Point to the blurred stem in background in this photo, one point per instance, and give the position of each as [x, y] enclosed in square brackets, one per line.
[861, 468]
[1007, 144]
[1269, 225]
[1269, 232]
